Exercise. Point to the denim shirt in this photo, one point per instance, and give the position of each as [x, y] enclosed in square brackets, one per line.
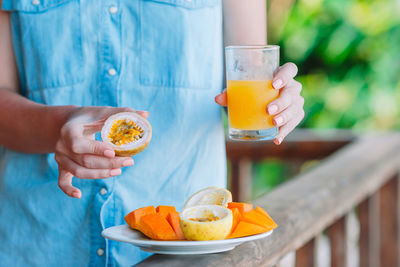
[163, 56]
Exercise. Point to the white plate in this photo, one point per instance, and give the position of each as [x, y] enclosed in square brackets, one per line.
[124, 233]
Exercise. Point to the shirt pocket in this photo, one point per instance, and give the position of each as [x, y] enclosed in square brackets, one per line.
[47, 38]
[179, 43]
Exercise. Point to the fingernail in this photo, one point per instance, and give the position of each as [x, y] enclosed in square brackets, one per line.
[76, 194]
[278, 140]
[272, 109]
[109, 153]
[278, 121]
[115, 172]
[277, 84]
[128, 162]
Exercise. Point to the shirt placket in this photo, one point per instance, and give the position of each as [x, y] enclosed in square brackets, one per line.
[110, 64]
[110, 52]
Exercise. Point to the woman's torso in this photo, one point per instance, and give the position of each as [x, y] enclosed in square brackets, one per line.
[162, 56]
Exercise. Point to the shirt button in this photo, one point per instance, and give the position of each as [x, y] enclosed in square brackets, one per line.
[113, 9]
[112, 72]
[103, 191]
[35, 2]
[100, 252]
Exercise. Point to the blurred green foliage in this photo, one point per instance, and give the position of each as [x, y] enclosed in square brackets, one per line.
[348, 56]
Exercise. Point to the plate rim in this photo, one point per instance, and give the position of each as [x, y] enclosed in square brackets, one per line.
[179, 243]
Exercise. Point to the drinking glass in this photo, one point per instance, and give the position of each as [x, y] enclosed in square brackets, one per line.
[249, 72]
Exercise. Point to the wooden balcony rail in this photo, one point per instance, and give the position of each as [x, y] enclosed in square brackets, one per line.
[299, 147]
[363, 175]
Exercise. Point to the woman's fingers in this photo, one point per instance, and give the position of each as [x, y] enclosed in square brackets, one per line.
[82, 172]
[144, 114]
[288, 96]
[287, 115]
[221, 99]
[65, 184]
[87, 146]
[285, 74]
[93, 161]
[289, 126]
[96, 162]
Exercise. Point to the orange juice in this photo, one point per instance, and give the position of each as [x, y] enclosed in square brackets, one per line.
[247, 104]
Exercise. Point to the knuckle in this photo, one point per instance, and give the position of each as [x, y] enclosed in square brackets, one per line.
[293, 66]
[113, 164]
[94, 148]
[285, 101]
[64, 130]
[87, 162]
[298, 85]
[75, 147]
[104, 174]
[301, 101]
[78, 172]
[58, 146]
[57, 158]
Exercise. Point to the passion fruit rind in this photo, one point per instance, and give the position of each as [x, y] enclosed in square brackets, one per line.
[198, 229]
[138, 144]
[209, 196]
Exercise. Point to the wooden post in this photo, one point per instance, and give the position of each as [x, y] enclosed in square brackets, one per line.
[389, 223]
[337, 237]
[305, 255]
[368, 216]
[240, 179]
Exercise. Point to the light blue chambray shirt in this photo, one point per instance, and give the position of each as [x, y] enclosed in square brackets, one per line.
[163, 56]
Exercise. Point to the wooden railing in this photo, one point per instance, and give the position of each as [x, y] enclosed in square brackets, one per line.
[363, 176]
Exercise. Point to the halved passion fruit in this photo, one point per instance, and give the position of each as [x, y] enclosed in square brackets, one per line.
[206, 222]
[209, 196]
[127, 132]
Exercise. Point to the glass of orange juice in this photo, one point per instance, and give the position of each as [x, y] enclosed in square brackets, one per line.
[249, 73]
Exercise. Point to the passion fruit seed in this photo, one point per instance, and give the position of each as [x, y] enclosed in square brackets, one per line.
[125, 131]
[207, 219]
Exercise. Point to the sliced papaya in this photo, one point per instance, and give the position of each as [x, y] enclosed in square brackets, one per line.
[241, 206]
[236, 218]
[264, 213]
[174, 221]
[164, 210]
[157, 227]
[246, 229]
[133, 218]
[257, 218]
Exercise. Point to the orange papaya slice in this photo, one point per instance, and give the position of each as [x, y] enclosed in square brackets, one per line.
[157, 227]
[264, 213]
[164, 210]
[174, 221]
[236, 218]
[246, 229]
[256, 218]
[133, 218]
[241, 206]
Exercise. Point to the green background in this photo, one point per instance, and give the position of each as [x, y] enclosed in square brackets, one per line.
[348, 54]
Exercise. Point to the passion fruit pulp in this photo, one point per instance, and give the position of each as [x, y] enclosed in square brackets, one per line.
[127, 132]
[206, 222]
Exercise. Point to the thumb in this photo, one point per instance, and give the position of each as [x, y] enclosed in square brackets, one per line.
[222, 99]
[144, 114]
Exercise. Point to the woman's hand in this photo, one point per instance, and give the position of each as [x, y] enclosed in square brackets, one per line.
[288, 108]
[78, 154]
